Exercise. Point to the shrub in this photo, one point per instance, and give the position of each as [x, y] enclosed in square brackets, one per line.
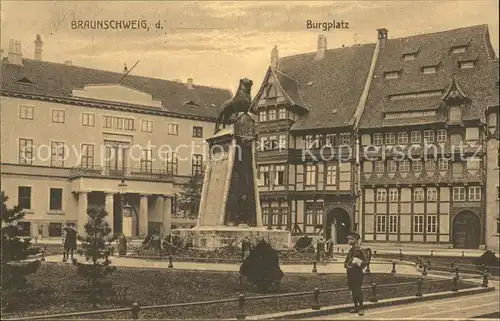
[488, 258]
[96, 247]
[261, 267]
[303, 243]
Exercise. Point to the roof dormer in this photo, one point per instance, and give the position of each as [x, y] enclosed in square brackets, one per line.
[468, 60]
[410, 52]
[459, 45]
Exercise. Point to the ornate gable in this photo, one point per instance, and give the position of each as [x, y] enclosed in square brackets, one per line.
[117, 93]
[454, 93]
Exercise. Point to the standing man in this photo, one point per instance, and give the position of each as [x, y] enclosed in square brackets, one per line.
[355, 262]
[69, 242]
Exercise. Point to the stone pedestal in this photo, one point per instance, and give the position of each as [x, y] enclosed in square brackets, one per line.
[127, 226]
[230, 206]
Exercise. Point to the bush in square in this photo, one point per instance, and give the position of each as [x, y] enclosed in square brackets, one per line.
[261, 267]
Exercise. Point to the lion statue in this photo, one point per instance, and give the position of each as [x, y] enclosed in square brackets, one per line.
[240, 103]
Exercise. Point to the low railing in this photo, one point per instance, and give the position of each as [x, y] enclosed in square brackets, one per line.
[453, 267]
[135, 309]
[120, 173]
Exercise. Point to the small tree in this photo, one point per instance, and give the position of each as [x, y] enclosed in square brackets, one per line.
[14, 250]
[261, 267]
[96, 247]
[188, 201]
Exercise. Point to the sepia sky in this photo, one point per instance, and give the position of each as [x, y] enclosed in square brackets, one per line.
[217, 43]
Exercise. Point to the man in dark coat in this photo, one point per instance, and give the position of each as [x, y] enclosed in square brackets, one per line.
[355, 262]
[69, 242]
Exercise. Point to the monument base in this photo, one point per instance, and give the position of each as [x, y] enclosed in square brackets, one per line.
[213, 237]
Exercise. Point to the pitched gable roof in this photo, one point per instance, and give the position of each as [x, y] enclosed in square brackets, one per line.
[59, 80]
[334, 82]
[435, 47]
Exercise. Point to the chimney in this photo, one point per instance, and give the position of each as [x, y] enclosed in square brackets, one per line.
[68, 63]
[320, 54]
[38, 47]
[275, 60]
[382, 36]
[125, 69]
[15, 55]
[190, 83]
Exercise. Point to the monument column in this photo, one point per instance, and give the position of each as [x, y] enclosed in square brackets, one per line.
[82, 212]
[109, 206]
[143, 216]
[167, 215]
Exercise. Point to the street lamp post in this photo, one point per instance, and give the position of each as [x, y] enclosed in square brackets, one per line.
[126, 219]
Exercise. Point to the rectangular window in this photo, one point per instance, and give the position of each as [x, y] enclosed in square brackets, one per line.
[173, 129]
[264, 144]
[393, 223]
[404, 166]
[262, 115]
[402, 138]
[147, 126]
[197, 165]
[431, 194]
[418, 224]
[391, 75]
[418, 195]
[431, 223]
[58, 116]
[430, 165]
[381, 224]
[475, 193]
[272, 114]
[455, 113]
[197, 132]
[118, 123]
[25, 151]
[415, 137]
[172, 163]
[88, 120]
[391, 166]
[459, 194]
[381, 195]
[107, 121]
[331, 174]
[458, 170]
[146, 160]
[428, 136]
[378, 139]
[390, 138]
[55, 229]
[24, 197]
[417, 165]
[345, 139]
[311, 175]
[26, 112]
[279, 175]
[466, 64]
[456, 140]
[393, 195]
[458, 49]
[379, 167]
[264, 176]
[56, 199]
[282, 144]
[282, 113]
[443, 164]
[87, 160]
[442, 136]
[429, 70]
[409, 57]
[273, 142]
[57, 154]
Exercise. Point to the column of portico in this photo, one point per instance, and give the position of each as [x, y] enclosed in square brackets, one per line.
[167, 215]
[82, 212]
[143, 216]
[109, 206]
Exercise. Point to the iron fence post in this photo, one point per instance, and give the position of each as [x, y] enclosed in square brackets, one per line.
[400, 255]
[241, 307]
[424, 271]
[419, 287]
[454, 286]
[485, 279]
[315, 305]
[456, 273]
[135, 311]
[314, 270]
[373, 297]
[170, 264]
[393, 271]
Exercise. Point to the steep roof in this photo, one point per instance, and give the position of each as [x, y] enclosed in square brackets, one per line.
[55, 79]
[479, 82]
[322, 86]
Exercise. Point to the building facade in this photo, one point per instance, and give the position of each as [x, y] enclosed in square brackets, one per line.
[388, 139]
[70, 135]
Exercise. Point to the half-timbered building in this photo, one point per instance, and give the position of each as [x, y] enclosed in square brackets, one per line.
[389, 139]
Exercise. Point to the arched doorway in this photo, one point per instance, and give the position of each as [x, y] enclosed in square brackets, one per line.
[338, 225]
[466, 231]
